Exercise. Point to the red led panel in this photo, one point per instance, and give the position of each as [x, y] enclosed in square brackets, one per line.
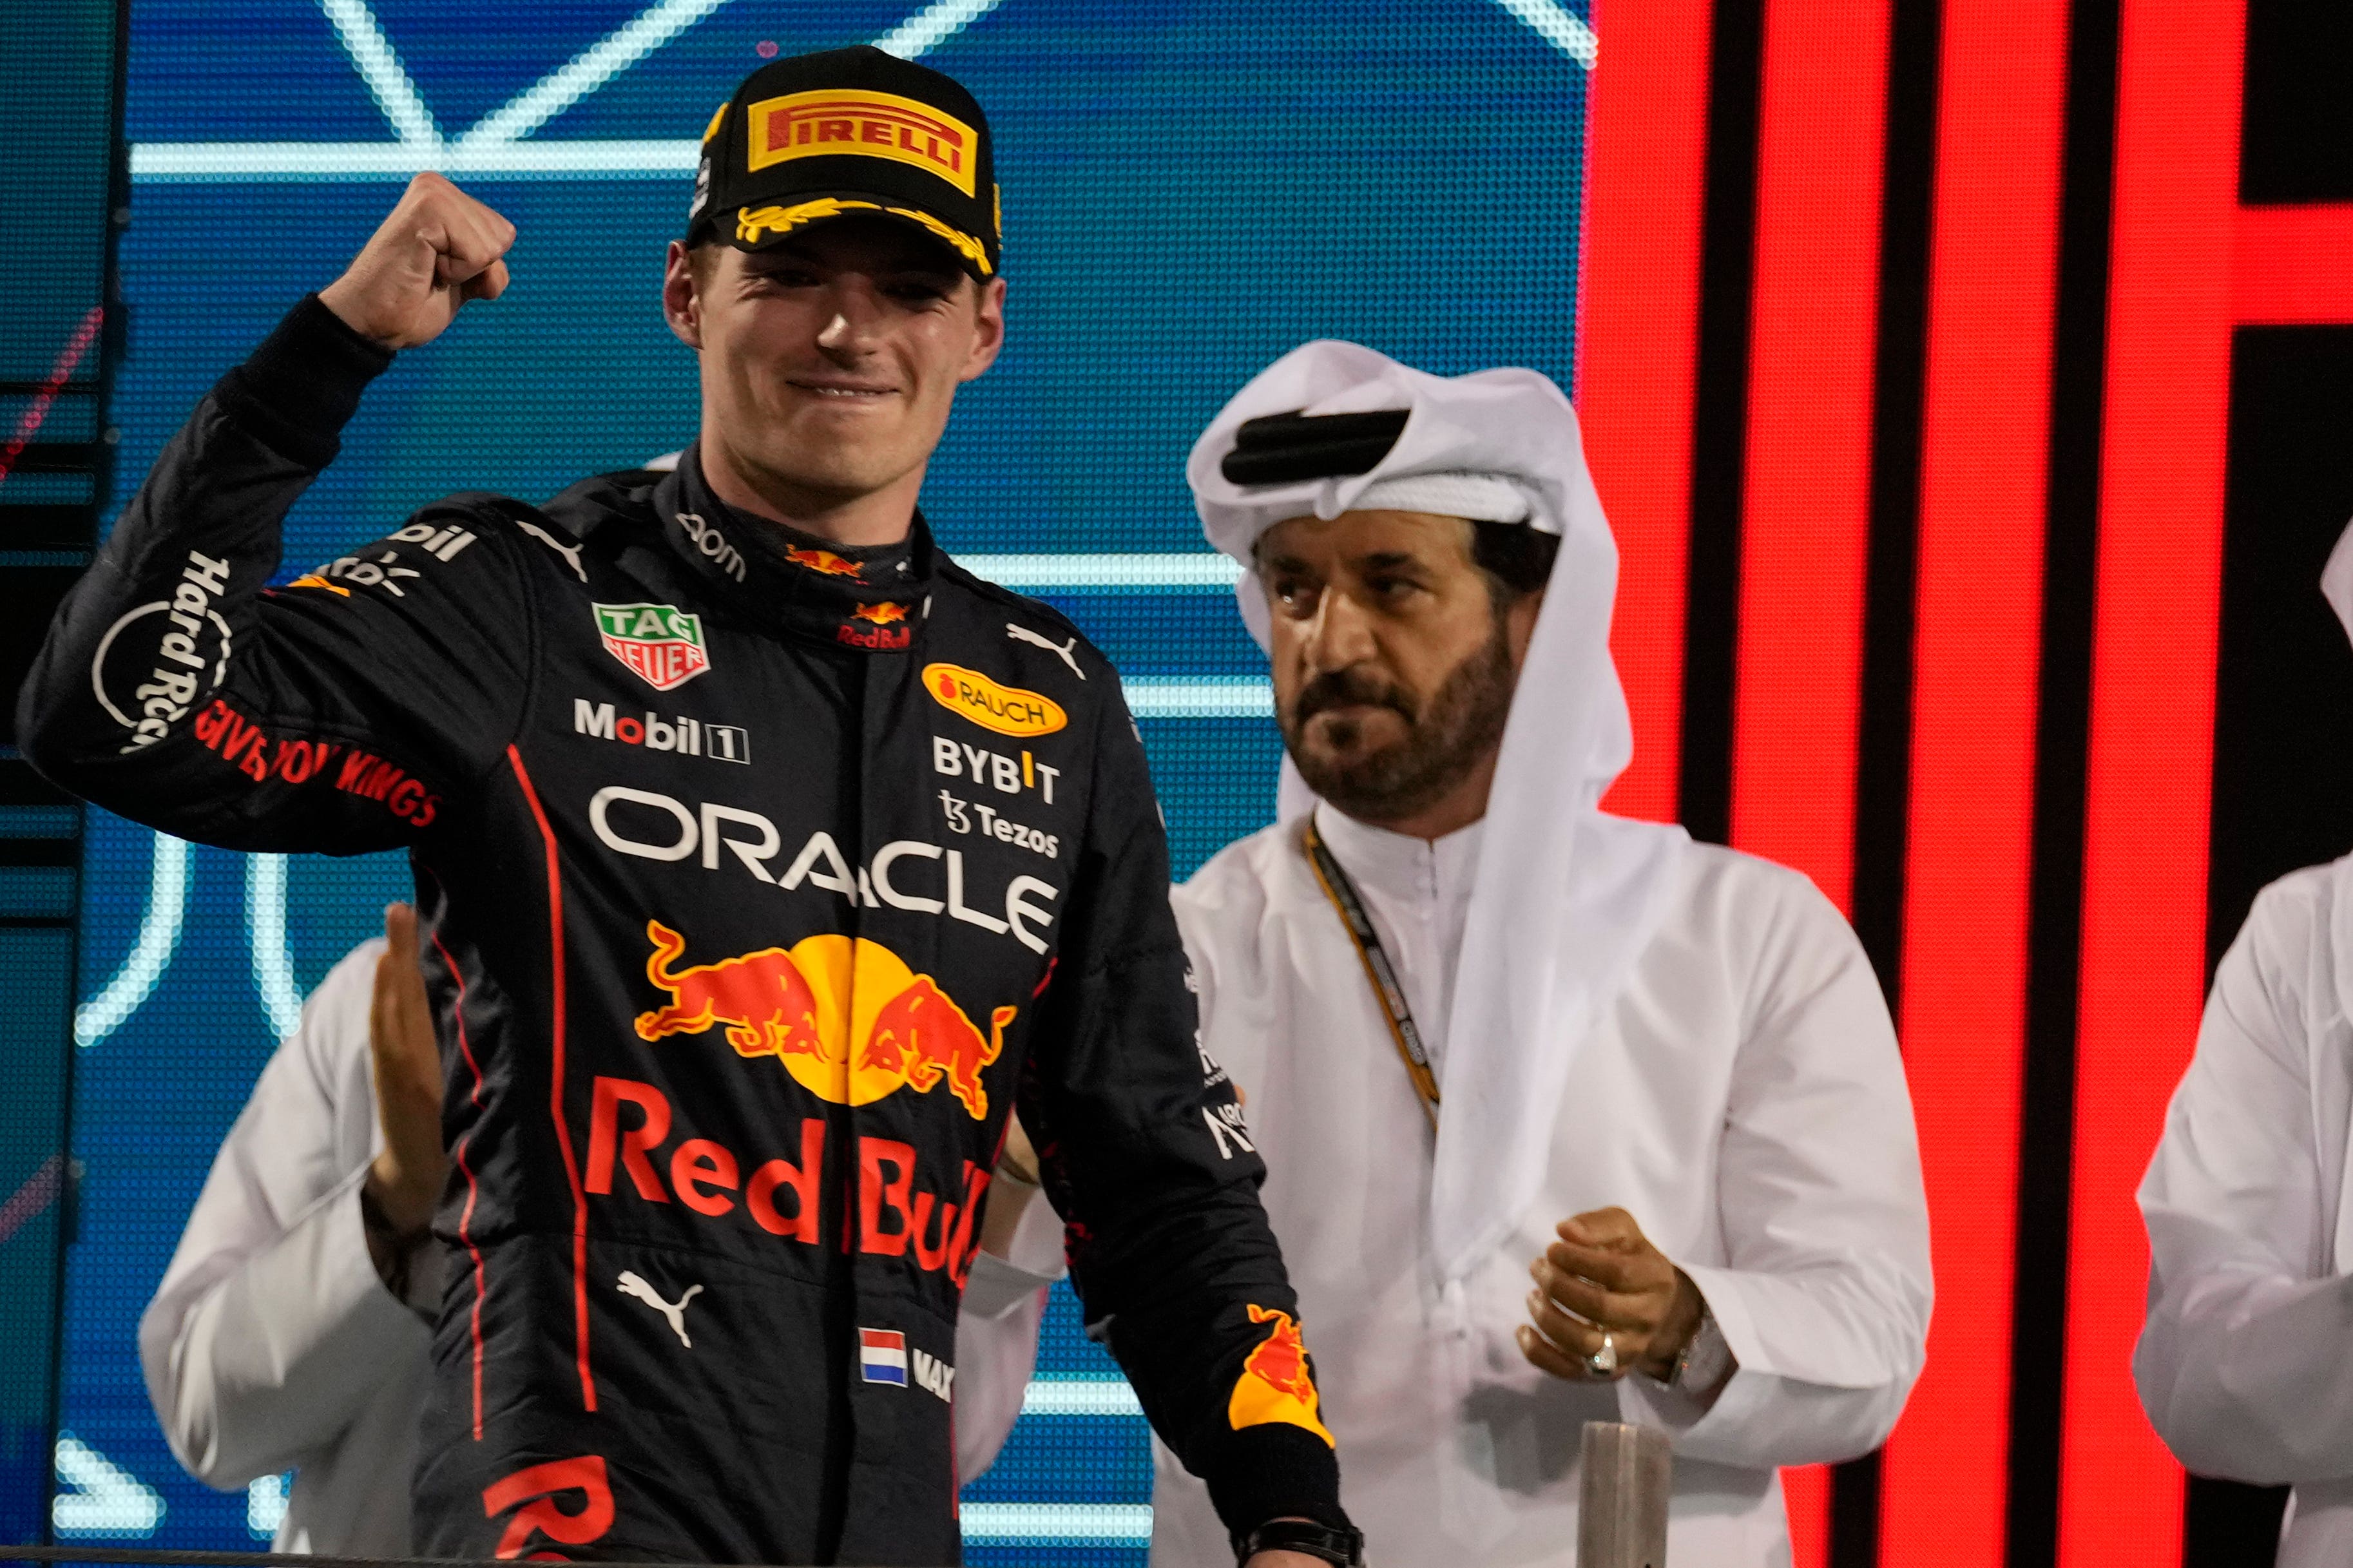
[1985, 429]
[2293, 266]
[1805, 512]
[1647, 152]
[1807, 503]
[1806, 1491]
[2150, 764]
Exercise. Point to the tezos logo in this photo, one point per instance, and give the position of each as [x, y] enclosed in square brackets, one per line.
[1007, 710]
[660, 644]
[688, 737]
[181, 657]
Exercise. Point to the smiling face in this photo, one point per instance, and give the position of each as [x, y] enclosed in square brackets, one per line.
[1394, 663]
[829, 361]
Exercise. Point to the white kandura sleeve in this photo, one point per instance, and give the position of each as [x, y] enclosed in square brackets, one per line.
[1824, 1295]
[2246, 1362]
[268, 1332]
[997, 1334]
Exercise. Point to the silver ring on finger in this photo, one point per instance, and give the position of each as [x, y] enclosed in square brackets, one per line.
[1603, 1362]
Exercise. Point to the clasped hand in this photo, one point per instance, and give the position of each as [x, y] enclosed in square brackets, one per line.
[1603, 1276]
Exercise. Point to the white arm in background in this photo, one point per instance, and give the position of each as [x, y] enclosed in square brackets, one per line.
[2245, 1364]
[1825, 1294]
[271, 1328]
[997, 1334]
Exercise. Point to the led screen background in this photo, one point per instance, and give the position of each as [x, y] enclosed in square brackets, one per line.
[1189, 189]
[1966, 391]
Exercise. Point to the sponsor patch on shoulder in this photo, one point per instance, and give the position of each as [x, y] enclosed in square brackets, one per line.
[660, 644]
[1007, 710]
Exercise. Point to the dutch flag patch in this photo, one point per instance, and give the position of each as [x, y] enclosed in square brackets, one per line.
[883, 1353]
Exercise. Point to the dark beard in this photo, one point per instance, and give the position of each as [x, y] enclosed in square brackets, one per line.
[1449, 736]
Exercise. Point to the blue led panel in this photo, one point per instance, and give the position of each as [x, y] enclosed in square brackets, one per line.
[1190, 188]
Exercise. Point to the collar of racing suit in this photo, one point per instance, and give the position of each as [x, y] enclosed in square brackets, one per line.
[873, 600]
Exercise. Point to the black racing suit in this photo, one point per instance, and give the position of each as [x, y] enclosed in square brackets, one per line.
[756, 895]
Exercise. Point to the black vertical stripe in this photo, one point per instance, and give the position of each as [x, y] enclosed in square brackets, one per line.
[1883, 742]
[2038, 1331]
[1720, 417]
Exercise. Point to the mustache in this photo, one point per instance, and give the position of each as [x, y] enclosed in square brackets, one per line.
[1350, 688]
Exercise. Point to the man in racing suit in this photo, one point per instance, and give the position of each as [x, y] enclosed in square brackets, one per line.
[764, 868]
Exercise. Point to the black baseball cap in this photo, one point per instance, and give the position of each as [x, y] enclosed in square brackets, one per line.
[846, 133]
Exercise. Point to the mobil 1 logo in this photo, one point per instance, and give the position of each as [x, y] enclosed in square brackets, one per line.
[686, 737]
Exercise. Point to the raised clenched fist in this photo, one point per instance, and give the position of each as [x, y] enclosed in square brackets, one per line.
[440, 248]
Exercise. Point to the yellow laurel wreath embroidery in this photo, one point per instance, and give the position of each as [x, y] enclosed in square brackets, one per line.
[969, 246]
[711, 130]
[751, 222]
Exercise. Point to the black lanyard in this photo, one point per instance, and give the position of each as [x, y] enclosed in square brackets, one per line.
[1386, 989]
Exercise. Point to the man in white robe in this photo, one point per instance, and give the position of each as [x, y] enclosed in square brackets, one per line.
[1668, 1092]
[2243, 1365]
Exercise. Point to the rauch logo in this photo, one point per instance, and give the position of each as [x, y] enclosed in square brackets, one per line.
[1007, 710]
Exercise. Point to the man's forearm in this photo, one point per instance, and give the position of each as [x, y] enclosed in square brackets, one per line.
[1822, 1369]
[145, 638]
[2246, 1377]
[278, 1355]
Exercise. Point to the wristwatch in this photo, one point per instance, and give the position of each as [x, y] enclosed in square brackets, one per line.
[1705, 1361]
[1344, 1547]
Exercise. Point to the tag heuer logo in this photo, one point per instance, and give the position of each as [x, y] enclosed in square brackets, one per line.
[663, 643]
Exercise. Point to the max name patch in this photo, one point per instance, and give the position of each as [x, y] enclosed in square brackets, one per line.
[840, 123]
[660, 644]
[1007, 710]
[882, 1357]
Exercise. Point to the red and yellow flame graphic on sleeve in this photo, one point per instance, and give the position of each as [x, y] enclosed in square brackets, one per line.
[1274, 1385]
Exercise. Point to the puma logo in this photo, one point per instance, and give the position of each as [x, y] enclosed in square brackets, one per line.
[632, 1285]
[571, 553]
[1064, 650]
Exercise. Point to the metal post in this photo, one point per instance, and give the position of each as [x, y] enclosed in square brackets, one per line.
[1622, 1511]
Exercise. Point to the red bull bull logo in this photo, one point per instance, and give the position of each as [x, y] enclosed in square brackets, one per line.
[1274, 1385]
[823, 561]
[847, 1017]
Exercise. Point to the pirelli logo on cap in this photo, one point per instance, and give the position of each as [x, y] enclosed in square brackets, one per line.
[847, 123]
